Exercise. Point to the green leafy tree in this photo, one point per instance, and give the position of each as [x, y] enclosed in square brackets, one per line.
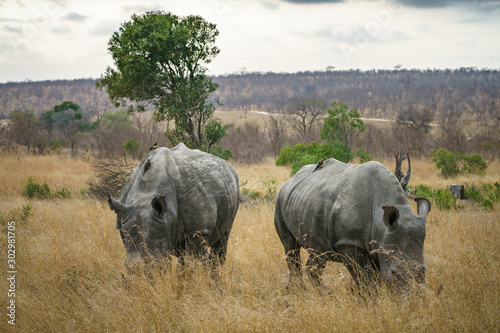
[68, 118]
[159, 59]
[131, 147]
[343, 125]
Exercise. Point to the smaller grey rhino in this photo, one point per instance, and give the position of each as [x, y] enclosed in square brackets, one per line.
[358, 215]
[176, 201]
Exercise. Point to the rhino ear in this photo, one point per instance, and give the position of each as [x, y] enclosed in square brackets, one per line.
[391, 216]
[117, 206]
[423, 207]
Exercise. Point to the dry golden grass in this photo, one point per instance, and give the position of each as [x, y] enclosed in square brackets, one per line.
[70, 266]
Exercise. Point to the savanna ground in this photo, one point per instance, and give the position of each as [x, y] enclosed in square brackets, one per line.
[71, 275]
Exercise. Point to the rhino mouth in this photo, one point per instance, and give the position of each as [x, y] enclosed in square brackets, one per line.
[407, 276]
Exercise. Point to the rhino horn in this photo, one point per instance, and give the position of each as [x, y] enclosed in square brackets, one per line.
[423, 207]
[117, 206]
[391, 216]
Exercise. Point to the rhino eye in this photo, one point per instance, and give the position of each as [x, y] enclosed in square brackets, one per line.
[159, 205]
[147, 165]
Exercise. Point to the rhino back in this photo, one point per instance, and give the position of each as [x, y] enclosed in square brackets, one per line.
[336, 204]
[207, 191]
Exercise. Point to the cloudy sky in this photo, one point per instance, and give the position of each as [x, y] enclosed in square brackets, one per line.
[67, 39]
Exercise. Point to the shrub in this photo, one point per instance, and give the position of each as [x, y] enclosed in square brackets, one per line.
[452, 165]
[301, 154]
[271, 188]
[485, 195]
[473, 193]
[421, 190]
[225, 154]
[444, 199]
[446, 162]
[250, 194]
[35, 190]
[131, 147]
[473, 164]
[18, 214]
[364, 156]
[84, 193]
[64, 193]
[56, 146]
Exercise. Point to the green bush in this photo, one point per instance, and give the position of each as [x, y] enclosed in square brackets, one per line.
[446, 162]
[131, 147]
[18, 214]
[444, 199]
[485, 195]
[421, 190]
[84, 193]
[364, 156]
[473, 164]
[34, 190]
[64, 193]
[473, 193]
[225, 154]
[251, 194]
[301, 154]
[271, 188]
[487, 204]
[57, 146]
[452, 165]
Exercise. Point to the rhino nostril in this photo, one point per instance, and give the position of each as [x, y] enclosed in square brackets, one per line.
[159, 205]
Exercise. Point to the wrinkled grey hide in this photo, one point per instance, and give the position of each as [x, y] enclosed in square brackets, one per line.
[177, 200]
[355, 214]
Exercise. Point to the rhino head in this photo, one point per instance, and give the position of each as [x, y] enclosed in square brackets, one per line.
[146, 220]
[401, 252]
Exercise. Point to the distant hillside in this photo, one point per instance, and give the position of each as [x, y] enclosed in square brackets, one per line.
[381, 94]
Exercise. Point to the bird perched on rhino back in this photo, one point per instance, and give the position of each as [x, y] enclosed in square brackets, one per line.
[154, 146]
[319, 165]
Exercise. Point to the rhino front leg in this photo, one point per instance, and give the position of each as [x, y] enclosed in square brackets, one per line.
[358, 264]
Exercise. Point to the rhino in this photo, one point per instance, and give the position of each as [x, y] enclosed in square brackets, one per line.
[357, 215]
[177, 201]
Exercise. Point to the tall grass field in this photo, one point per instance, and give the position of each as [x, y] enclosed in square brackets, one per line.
[70, 274]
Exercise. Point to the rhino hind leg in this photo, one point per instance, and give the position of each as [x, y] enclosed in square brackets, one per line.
[315, 265]
[219, 250]
[292, 248]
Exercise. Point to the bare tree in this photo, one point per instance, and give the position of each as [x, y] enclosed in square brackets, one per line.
[305, 112]
[276, 126]
[111, 174]
[402, 178]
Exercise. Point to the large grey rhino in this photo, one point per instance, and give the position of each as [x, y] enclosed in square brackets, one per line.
[177, 200]
[355, 214]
